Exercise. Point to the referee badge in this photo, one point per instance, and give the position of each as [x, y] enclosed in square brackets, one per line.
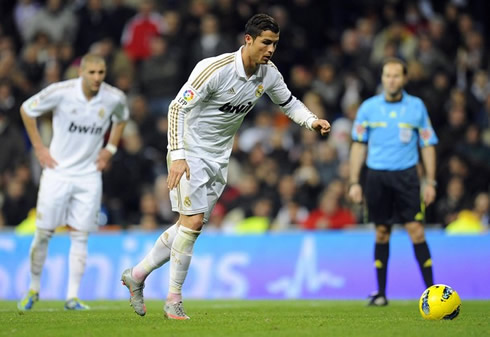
[405, 135]
[425, 134]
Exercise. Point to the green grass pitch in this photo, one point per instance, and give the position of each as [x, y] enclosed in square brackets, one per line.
[242, 318]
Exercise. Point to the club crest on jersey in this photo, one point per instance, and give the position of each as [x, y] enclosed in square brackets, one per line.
[101, 113]
[237, 109]
[187, 202]
[259, 91]
[188, 95]
[34, 103]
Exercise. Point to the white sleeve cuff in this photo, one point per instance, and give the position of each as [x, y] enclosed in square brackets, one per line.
[177, 154]
[309, 122]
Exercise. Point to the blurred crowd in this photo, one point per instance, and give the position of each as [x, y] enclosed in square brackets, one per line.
[281, 177]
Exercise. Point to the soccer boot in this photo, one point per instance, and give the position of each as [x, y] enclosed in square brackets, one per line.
[28, 301]
[377, 300]
[75, 304]
[135, 291]
[175, 311]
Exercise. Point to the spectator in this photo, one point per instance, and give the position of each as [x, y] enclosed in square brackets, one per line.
[453, 201]
[211, 41]
[474, 221]
[13, 144]
[123, 181]
[139, 30]
[25, 11]
[17, 203]
[327, 162]
[259, 221]
[328, 85]
[118, 15]
[92, 19]
[329, 214]
[57, 21]
[160, 76]
[290, 216]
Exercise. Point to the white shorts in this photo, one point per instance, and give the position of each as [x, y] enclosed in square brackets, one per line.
[69, 201]
[200, 193]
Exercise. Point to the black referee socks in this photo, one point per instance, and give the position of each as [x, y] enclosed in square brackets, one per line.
[422, 254]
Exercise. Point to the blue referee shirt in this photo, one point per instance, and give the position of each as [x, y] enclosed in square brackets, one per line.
[392, 131]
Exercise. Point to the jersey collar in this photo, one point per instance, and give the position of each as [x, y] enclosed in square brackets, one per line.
[81, 96]
[404, 96]
[240, 69]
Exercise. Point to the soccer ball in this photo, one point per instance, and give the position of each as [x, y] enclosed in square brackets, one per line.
[439, 302]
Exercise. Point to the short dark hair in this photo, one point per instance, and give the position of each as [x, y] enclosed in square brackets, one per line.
[395, 60]
[260, 23]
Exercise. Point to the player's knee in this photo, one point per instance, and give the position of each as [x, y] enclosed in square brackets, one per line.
[79, 241]
[187, 238]
[416, 232]
[42, 236]
[382, 234]
[194, 222]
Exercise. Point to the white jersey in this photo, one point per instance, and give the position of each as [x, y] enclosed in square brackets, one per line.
[79, 125]
[211, 106]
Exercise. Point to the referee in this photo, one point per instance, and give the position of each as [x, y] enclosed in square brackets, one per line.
[388, 128]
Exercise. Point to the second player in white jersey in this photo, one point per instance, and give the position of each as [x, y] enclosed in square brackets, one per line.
[71, 185]
[79, 124]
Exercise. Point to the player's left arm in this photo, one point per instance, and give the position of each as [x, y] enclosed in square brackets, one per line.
[106, 153]
[120, 116]
[429, 159]
[292, 107]
[427, 142]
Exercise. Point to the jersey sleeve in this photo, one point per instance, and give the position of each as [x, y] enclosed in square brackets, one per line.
[44, 101]
[280, 94]
[121, 111]
[200, 85]
[427, 135]
[360, 129]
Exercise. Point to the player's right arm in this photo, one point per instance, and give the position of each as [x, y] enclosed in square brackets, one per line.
[198, 86]
[34, 107]
[358, 153]
[357, 156]
[41, 151]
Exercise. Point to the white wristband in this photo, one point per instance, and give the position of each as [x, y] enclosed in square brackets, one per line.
[111, 148]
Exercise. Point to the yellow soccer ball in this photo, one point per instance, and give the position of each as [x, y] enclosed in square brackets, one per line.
[439, 302]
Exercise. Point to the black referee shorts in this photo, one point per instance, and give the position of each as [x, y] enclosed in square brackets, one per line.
[393, 197]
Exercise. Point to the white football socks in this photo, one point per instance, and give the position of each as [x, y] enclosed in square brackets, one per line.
[77, 261]
[180, 259]
[38, 252]
[158, 255]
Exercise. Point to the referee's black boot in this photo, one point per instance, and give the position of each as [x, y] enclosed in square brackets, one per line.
[377, 300]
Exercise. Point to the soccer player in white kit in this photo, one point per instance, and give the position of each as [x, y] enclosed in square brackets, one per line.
[71, 184]
[203, 120]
